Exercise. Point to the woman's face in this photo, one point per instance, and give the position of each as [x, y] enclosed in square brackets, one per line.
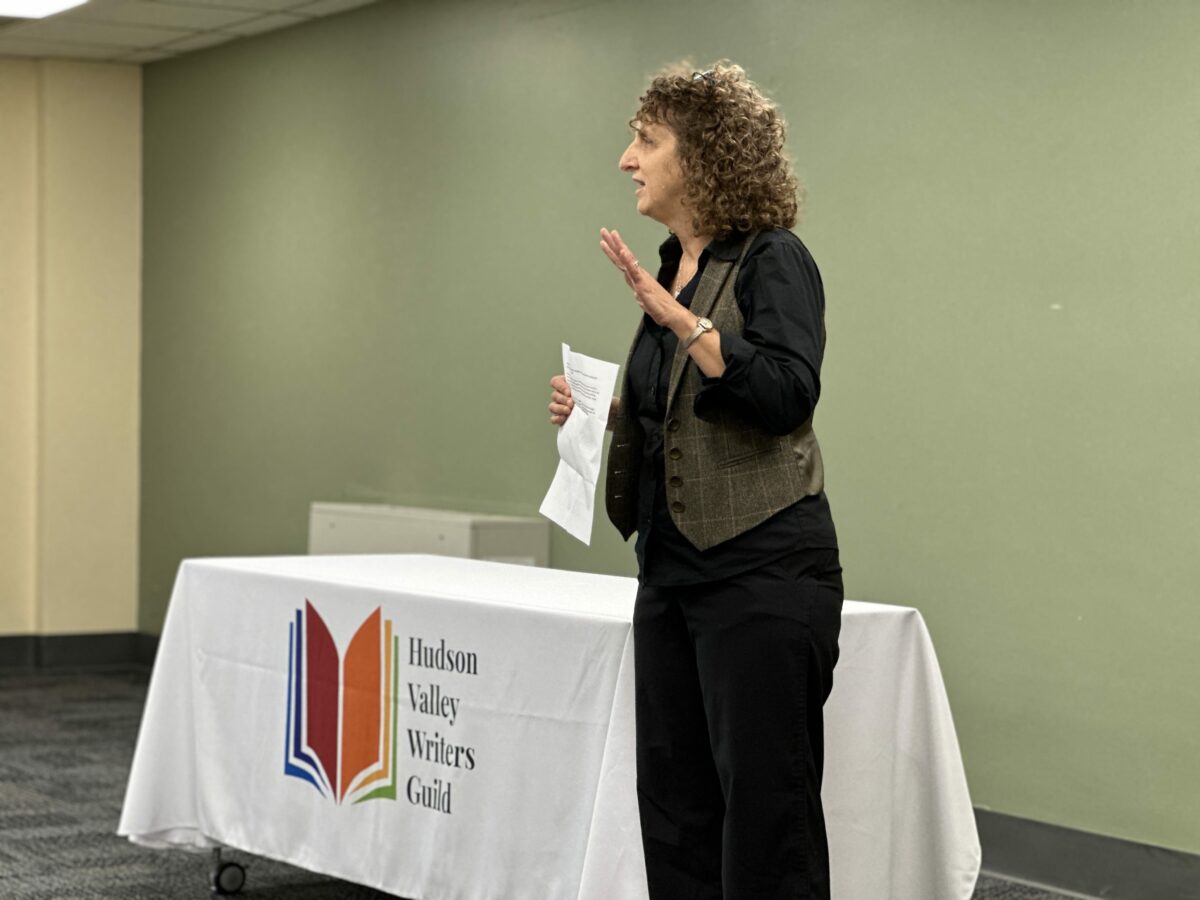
[652, 161]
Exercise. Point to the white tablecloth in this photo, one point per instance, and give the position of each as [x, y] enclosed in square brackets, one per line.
[498, 746]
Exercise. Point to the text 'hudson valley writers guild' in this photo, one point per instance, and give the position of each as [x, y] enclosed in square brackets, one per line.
[430, 698]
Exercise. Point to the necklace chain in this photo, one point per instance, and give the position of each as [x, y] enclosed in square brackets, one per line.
[682, 284]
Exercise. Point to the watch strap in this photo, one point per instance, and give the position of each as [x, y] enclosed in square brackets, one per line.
[703, 326]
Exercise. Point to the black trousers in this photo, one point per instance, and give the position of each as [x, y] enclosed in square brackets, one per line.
[731, 678]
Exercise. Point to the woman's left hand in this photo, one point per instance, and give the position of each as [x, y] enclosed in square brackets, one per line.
[654, 299]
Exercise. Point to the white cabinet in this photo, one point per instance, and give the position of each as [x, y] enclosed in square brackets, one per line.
[335, 528]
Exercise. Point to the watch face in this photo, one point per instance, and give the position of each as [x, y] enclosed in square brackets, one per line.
[704, 323]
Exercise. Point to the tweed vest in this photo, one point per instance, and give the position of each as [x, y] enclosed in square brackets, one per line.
[723, 475]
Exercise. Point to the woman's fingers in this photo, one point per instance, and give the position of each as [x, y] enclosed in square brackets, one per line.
[628, 261]
[651, 296]
[613, 239]
[622, 257]
[612, 256]
[631, 272]
[561, 403]
[613, 247]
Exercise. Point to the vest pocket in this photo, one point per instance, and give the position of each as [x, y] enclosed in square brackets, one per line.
[749, 454]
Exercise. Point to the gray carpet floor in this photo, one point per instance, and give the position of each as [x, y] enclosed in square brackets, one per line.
[66, 741]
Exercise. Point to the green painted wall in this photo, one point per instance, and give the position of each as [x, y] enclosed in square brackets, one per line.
[366, 237]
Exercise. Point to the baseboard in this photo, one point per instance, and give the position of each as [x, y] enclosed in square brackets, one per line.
[17, 652]
[33, 652]
[147, 648]
[1085, 864]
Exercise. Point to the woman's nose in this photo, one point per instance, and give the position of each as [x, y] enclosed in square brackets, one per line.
[626, 162]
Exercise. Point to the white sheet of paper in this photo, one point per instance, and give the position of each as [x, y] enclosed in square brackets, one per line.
[571, 500]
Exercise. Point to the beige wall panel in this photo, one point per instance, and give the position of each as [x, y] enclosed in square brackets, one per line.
[18, 331]
[90, 345]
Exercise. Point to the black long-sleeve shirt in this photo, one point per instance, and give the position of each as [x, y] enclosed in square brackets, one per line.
[771, 378]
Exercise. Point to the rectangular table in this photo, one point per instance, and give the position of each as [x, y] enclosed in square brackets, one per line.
[444, 728]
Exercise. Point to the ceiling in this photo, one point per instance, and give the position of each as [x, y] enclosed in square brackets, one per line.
[141, 31]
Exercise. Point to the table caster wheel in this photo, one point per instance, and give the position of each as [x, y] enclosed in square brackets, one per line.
[228, 879]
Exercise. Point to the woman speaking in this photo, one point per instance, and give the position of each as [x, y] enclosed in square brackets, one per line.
[715, 465]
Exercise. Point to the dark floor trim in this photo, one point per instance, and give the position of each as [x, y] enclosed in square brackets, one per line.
[147, 649]
[1092, 865]
[30, 652]
[17, 652]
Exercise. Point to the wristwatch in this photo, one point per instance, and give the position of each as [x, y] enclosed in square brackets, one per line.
[703, 326]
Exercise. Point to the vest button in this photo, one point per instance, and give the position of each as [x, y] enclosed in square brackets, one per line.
[677, 507]
[675, 453]
[675, 481]
[672, 425]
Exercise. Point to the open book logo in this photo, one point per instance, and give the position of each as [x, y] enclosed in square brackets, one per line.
[341, 713]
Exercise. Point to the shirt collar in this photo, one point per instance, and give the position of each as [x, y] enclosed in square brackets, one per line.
[726, 248]
[729, 247]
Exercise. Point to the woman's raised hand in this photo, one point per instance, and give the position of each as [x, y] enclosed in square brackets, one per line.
[561, 403]
[654, 299]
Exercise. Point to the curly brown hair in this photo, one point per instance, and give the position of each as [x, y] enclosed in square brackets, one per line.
[730, 140]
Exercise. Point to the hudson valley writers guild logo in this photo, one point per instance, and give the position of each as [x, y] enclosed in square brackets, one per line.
[357, 761]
